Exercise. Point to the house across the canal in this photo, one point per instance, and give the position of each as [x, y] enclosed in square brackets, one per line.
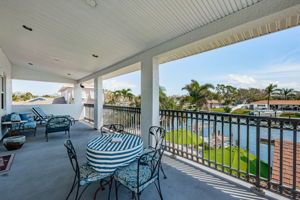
[290, 105]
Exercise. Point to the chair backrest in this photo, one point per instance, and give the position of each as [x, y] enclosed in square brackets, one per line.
[58, 121]
[72, 157]
[152, 161]
[156, 137]
[39, 112]
[112, 128]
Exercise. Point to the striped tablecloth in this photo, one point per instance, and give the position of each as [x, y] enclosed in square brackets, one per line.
[105, 156]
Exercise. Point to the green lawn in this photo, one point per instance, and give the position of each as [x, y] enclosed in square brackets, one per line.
[292, 115]
[241, 111]
[188, 137]
[217, 110]
[243, 160]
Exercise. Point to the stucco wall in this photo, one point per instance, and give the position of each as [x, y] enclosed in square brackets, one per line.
[5, 69]
[74, 110]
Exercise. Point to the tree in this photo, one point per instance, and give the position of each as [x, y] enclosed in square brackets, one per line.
[228, 93]
[270, 90]
[197, 94]
[286, 93]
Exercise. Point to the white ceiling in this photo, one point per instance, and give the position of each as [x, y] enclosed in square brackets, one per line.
[66, 33]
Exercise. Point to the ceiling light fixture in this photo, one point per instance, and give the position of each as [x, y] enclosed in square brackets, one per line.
[94, 55]
[27, 28]
[69, 74]
[91, 3]
[30, 64]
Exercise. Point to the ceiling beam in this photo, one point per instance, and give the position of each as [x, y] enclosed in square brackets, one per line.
[253, 13]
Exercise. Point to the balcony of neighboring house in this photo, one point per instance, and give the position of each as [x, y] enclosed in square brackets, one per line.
[80, 44]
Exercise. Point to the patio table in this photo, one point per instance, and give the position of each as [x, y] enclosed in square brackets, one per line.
[106, 156]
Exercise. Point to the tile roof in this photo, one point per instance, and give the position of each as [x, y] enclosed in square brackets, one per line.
[287, 164]
[278, 102]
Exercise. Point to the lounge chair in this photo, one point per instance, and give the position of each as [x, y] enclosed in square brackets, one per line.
[42, 117]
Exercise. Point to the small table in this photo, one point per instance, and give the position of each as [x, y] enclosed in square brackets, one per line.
[11, 123]
[105, 156]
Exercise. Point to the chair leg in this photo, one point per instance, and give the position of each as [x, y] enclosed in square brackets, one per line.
[162, 170]
[116, 189]
[77, 192]
[34, 132]
[72, 188]
[160, 194]
[46, 135]
[138, 196]
[110, 186]
[69, 134]
[83, 191]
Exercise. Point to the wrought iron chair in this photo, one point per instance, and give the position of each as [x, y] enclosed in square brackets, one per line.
[156, 138]
[84, 174]
[112, 128]
[58, 124]
[140, 174]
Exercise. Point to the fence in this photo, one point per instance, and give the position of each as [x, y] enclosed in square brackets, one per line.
[264, 151]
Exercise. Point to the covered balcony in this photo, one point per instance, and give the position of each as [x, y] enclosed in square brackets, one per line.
[88, 41]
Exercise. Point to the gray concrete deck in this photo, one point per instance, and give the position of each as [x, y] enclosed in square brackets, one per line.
[41, 170]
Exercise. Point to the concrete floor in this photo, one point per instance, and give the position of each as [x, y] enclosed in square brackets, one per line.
[41, 170]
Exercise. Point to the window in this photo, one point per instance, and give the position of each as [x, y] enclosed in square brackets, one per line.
[2, 90]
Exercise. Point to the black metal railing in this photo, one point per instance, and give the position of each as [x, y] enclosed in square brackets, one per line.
[88, 112]
[264, 151]
[129, 117]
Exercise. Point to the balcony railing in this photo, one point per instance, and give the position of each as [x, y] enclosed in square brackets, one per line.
[264, 151]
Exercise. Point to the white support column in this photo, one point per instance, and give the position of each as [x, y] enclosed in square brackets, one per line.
[150, 96]
[77, 94]
[98, 106]
[78, 101]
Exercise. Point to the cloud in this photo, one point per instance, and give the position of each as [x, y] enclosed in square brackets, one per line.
[241, 79]
[117, 85]
[246, 81]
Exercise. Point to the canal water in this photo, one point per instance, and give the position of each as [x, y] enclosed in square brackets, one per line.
[275, 134]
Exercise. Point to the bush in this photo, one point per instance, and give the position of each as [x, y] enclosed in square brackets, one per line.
[227, 109]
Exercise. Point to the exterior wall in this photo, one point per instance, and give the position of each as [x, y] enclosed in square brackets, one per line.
[74, 110]
[5, 69]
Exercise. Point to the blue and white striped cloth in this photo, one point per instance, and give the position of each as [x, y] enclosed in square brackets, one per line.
[105, 156]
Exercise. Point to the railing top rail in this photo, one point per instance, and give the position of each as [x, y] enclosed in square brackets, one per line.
[261, 118]
[233, 115]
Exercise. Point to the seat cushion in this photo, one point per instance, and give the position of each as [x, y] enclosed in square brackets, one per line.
[30, 125]
[24, 117]
[127, 176]
[89, 175]
[15, 117]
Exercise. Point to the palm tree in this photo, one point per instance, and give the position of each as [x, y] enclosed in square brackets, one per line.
[197, 94]
[286, 92]
[270, 90]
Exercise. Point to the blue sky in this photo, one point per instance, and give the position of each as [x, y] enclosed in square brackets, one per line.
[274, 58]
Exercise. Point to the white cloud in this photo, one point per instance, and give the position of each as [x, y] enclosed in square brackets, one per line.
[246, 81]
[241, 79]
[113, 84]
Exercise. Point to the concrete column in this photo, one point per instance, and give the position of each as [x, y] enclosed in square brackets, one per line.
[150, 96]
[78, 101]
[98, 105]
[77, 94]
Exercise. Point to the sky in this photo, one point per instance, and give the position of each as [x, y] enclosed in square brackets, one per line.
[274, 58]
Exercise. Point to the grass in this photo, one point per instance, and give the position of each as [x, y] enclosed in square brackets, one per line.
[187, 136]
[241, 111]
[292, 115]
[217, 110]
[234, 160]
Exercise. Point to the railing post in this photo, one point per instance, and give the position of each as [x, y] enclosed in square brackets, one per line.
[257, 188]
